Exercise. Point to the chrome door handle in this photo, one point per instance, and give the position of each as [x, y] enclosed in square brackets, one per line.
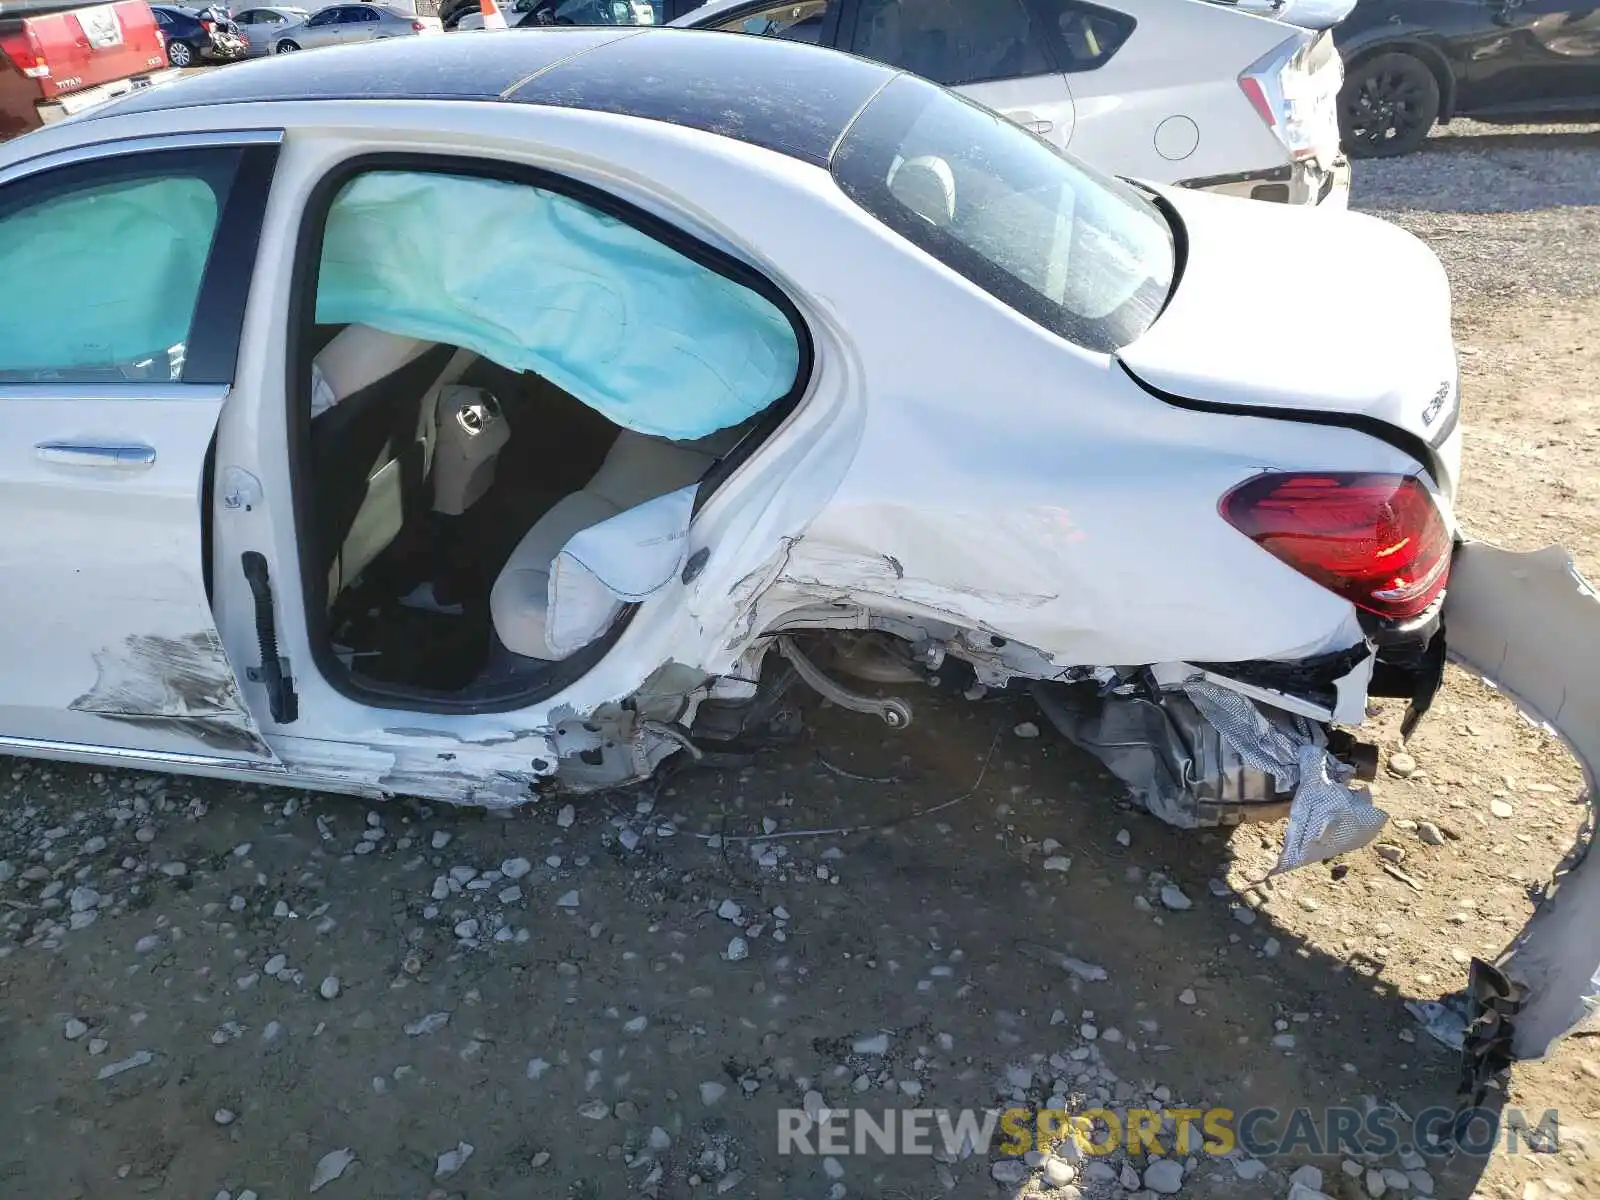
[122, 456]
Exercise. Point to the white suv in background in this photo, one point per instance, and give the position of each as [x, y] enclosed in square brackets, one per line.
[1170, 91]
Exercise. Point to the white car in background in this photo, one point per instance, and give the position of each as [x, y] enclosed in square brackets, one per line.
[1171, 91]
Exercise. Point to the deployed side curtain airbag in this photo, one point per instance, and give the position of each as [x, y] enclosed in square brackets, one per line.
[536, 281]
[104, 280]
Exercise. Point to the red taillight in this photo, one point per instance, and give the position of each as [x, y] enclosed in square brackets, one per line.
[1257, 95]
[418, 26]
[1377, 540]
[20, 52]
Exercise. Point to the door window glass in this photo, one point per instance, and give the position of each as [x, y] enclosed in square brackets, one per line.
[797, 22]
[326, 17]
[1083, 36]
[364, 14]
[952, 41]
[101, 268]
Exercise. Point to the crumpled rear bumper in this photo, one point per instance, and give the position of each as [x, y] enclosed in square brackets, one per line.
[1529, 623]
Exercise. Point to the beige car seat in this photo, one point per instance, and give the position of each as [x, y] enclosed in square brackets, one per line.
[373, 433]
[636, 469]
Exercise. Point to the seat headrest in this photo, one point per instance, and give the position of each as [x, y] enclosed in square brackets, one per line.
[926, 186]
[361, 355]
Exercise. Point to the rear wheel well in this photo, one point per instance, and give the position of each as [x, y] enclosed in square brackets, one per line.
[1424, 53]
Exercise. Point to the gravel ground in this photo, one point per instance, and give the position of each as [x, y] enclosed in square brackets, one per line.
[1513, 210]
[216, 991]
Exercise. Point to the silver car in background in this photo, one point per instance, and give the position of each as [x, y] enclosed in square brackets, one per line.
[263, 26]
[342, 24]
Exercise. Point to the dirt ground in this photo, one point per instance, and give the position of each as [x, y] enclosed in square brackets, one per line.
[209, 990]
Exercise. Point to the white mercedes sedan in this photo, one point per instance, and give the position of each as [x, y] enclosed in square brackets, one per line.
[482, 417]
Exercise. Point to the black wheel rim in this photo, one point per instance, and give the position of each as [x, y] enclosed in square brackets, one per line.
[1388, 108]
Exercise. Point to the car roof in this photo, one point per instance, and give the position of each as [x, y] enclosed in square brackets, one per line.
[784, 96]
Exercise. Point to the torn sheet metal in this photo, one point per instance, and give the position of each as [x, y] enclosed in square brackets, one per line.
[183, 685]
[1327, 817]
[1530, 625]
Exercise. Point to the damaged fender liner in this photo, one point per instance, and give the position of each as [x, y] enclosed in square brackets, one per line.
[1530, 625]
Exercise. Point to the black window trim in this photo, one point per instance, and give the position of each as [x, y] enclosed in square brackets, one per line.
[1039, 10]
[827, 36]
[297, 390]
[844, 41]
[212, 351]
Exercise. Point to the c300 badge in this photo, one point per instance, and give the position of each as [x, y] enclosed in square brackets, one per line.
[1434, 405]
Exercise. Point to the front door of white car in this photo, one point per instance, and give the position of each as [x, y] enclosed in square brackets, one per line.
[120, 310]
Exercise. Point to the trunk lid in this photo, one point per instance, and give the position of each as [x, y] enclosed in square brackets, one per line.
[1306, 310]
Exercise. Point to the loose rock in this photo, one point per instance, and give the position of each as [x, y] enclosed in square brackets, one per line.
[330, 1166]
[1164, 1176]
[140, 1058]
[452, 1161]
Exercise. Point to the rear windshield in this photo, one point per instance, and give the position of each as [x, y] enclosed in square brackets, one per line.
[1086, 256]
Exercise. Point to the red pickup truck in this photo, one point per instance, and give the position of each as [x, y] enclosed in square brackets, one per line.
[57, 58]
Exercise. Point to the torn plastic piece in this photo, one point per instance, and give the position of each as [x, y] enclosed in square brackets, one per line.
[1530, 624]
[1444, 1020]
[1327, 817]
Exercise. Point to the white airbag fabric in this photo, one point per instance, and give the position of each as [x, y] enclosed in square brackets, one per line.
[623, 560]
[535, 281]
